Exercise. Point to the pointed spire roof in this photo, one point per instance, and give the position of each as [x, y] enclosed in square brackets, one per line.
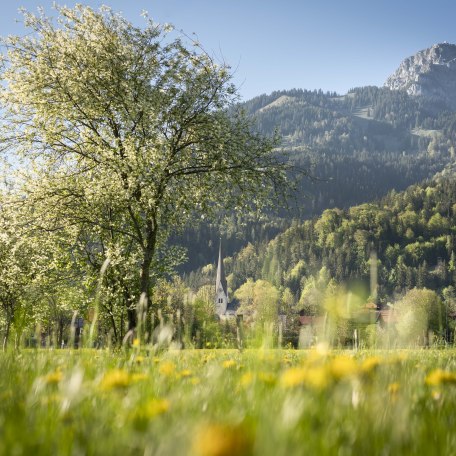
[221, 279]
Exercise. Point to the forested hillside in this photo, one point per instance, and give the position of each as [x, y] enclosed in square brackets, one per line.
[406, 239]
[359, 146]
[356, 148]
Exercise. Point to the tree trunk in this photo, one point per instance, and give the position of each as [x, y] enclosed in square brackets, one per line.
[121, 328]
[17, 340]
[131, 315]
[7, 332]
[131, 312]
[145, 274]
[114, 328]
[149, 251]
[60, 332]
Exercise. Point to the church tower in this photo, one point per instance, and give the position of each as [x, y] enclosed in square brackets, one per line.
[221, 288]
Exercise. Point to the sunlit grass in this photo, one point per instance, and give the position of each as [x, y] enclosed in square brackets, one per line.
[220, 402]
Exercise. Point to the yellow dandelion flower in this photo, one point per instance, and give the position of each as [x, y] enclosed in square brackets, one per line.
[393, 388]
[141, 416]
[439, 377]
[136, 342]
[53, 378]
[156, 407]
[316, 377]
[267, 377]
[342, 367]
[185, 373]
[371, 363]
[294, 377]
[139, 359]
[156, 359]
[222, 440]
[167, 368]
[246, 379]
[229, 363]
[115, 379]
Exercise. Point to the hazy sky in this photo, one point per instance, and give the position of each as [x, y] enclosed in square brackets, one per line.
[273, 44]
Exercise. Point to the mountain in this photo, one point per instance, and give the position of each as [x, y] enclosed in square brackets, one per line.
[357, 147]
[430, 73]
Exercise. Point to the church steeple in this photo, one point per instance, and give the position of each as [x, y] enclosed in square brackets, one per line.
[221, 288]
[221, 279]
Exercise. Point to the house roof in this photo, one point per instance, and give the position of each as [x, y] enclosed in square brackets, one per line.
[232, 306]
[371, 305]
[307, 320]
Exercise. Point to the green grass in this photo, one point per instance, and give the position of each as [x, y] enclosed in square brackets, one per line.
[223, 402]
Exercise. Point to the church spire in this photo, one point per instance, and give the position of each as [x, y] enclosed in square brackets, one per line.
[220, 281]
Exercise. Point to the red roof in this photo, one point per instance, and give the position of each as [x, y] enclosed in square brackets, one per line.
[370, 305]
[307, 320]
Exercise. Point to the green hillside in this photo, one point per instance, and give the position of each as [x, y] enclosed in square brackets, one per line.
[359, 146]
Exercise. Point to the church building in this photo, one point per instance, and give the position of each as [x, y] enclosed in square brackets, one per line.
[223, 307]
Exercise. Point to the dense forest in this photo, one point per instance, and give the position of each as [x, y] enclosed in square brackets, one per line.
[406, 239]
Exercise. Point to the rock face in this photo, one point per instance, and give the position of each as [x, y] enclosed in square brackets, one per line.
[430, 73]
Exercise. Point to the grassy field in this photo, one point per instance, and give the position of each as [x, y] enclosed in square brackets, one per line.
[203, 402]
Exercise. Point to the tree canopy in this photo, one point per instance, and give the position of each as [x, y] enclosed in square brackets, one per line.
[126, 134]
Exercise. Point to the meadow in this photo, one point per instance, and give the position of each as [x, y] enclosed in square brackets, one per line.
[226, 402]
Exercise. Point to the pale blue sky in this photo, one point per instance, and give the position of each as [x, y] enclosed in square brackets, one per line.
[273, 44]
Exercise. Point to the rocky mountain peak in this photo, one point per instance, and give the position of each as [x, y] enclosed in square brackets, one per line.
[430, 73]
